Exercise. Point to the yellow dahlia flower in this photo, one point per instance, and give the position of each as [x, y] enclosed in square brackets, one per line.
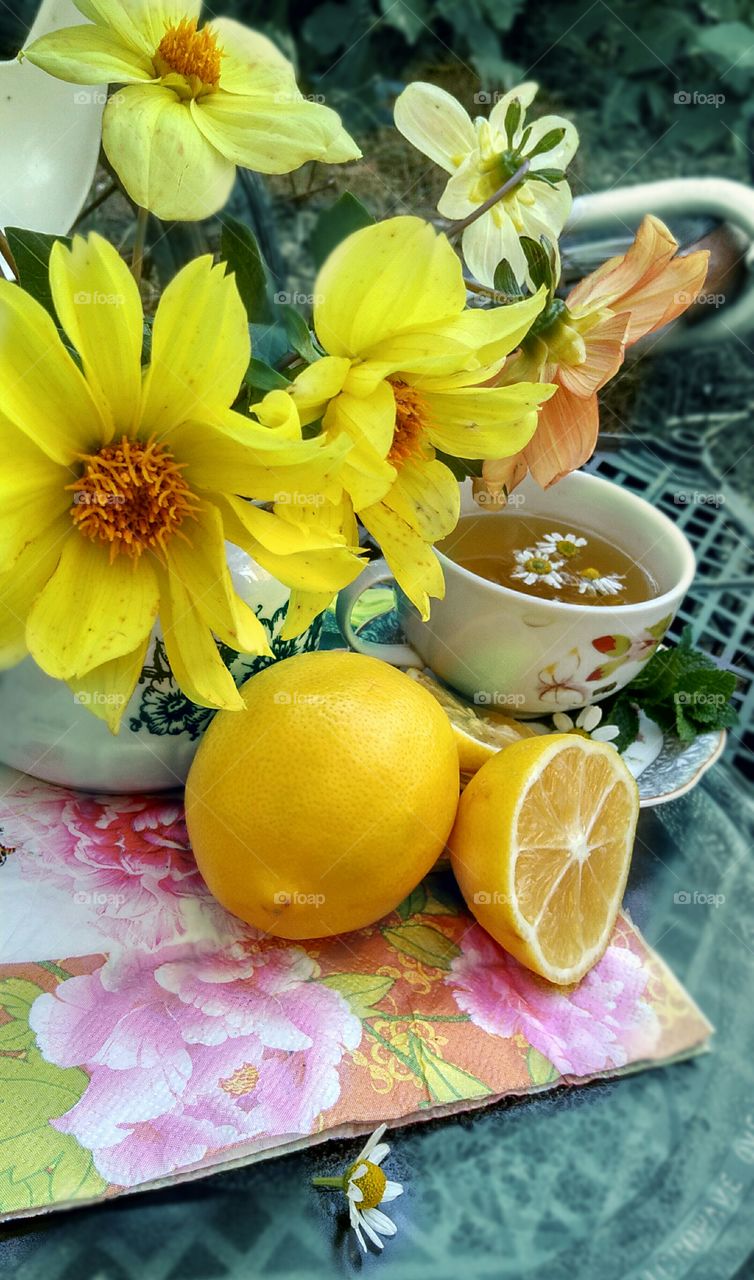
[118, 490]
[198, 101]
[482, 155]
[404, 376]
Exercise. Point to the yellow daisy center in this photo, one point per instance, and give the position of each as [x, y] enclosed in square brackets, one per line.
[191, 53]
[243, 1081]
[371, 1185]
[567, 549]
[410, 422]
[590, 574]
[131, 495]
[537, 564]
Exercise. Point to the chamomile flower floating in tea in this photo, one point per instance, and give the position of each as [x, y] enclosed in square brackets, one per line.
[124, 485]
[592, 582]
[525, 553]
[565, 545]
[533, 566]
[587, 725]
[366, 1187]
[198, 100]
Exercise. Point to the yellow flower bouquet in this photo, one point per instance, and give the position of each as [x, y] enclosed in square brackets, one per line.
[144, 454]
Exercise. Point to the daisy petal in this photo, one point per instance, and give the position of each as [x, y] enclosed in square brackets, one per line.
[370, 1230]
[379, 1152]
[380, 1222]
[355, 1193]
[391, 1192]
[589, 718]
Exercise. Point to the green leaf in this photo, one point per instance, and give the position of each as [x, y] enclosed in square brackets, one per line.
[31, 253]
[546, 143]
[414, 904]
[512, 118]
[444, 897]
[623, 713]
[260, 377]
[424, 943]
[506, 283]
[538, 261]
[239, 248]
[362, 990]
[298, 332]
[269, 342]
[445, 1081]
[16, 998]
[333, 225]
[39, 1165]
[540, 1068]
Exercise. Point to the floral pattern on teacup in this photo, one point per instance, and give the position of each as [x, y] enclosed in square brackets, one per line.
[620, 649]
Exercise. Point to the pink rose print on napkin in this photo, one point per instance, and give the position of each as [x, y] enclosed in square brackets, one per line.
[194, 1050]
[126, 859]
[603, 1022]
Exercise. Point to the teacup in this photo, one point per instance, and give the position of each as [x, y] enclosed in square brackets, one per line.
[531, 656]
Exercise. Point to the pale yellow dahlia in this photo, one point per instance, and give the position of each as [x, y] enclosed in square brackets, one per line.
[118, 489]
[198, 101]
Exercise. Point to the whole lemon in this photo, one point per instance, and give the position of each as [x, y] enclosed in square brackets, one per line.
[322, 804]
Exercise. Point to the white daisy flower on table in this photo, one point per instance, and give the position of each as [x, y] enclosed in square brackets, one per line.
[366, 1187]
[592, 582]
[587, 725]
[534, 567]
[561, 544]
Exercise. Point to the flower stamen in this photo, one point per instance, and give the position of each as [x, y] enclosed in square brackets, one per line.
[191, 53]
[131, 495]
[411, 416]
[371, 1183]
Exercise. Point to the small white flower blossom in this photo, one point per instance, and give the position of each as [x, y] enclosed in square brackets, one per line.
[366, 1187]
[596, 584]
[587, 725]
[562, 544]
[533, 567]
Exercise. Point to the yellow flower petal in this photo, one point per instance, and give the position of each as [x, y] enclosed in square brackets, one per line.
[435, 123]
[314, 386]
[316, 570]
[415, 565]
[97, 300]
[140, 23]
[32, 492]
[20, 586]
[106, 690]
[279, 413]
[368, 423]
[254, 462]
[199, 563]
[427, 497]
[90, 55]
[485, 422]
[200, 348]
[491, 333]
[272, 135]
[43, 392]
[284, 531]
[91, 610]
[395, 275]
[192, 652]
[245, 53]
[162, 159]
[303, 608]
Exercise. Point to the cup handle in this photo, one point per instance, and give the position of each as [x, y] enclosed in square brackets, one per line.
[376, 573]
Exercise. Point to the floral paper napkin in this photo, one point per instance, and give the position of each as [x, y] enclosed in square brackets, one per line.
[147, 1036]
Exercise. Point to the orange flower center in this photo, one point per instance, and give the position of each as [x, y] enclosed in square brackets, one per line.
[191, 53]
[131, 495]
[411, 416]
[243, 1081]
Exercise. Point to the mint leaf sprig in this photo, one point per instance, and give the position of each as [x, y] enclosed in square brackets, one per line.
[681, 689]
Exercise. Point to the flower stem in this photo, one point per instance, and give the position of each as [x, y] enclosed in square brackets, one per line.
[54, 969]
[456, 228]
[328, 1182]
[140, 238]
